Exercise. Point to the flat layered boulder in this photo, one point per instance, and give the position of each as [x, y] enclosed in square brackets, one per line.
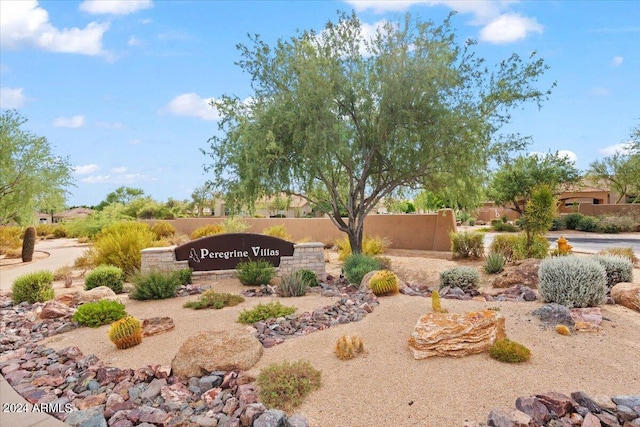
[456, 334]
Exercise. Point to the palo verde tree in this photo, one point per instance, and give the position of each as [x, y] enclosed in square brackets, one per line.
[31, 175]
[345, 120]
[515, 179]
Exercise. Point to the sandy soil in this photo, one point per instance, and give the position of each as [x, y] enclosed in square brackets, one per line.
[385, 386]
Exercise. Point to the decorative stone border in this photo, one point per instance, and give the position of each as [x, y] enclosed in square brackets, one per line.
[309, 256]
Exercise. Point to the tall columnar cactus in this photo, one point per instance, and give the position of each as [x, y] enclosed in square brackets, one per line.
[435, 303]
[384, 282]
[28, 244]
[348, 347]
[126, 332]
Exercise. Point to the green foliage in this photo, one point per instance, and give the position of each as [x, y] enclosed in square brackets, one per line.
[504, 244]
[572, 281]
[384, 282]
[255, 273]
[98, 313]
[557, 224]
[618, 268]
[32, 176]
[539, 214]
[207, 230]
[348, 347]
[494, 263]
[465, 278]
[467, 244]
[163, 229]
[292, 284]
[234, 225]
[155, 285]
[352, 140]
[90, 226]
[509, 351]
[355, 267]
[537, 248]
[371, 245]
[213, 299]
[33, 287]
[265, 311]
[588, 224]
[572, 220]
[309, 277]
[10, 241]
[28, 244]
[185, 276]
[502, 227]
[624, 252]
[279, 231]
[105, 275]
[126, 332]
[615, 224]
[120, 245]
[285, 385]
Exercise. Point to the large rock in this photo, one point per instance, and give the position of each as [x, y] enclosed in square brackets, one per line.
[457, 335]
[627, 294]
[55, 310]
[95, 294]
[525, 273]
[216, 351]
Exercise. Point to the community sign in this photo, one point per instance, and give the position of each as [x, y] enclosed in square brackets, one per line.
[225, 251]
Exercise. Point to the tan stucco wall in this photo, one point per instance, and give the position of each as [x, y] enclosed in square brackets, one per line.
[596, 210]
[413, 231]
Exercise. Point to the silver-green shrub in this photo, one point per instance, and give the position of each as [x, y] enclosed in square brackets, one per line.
[618, 268]
[572, 281]
[467, 244]
[465, 278]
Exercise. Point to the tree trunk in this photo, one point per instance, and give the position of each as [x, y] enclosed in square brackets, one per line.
[355, 234]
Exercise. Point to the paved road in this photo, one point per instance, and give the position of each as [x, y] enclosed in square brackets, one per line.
[60, 252]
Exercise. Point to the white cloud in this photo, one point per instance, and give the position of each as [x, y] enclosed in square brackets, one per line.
[129, 178]
[146, 21]
[69, 122]
[134, 41]
[624, 148]
[114, 7]
[191, 104]
[86, 169]
[569, 155]
[119, 170]
[11, 98]
[599, 91]
[617, 61]
[509, 28]
[25, 24]
[110, 125]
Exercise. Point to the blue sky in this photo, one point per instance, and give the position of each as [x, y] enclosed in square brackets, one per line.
[121, 87]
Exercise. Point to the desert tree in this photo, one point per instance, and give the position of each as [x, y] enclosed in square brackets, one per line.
[344, 119]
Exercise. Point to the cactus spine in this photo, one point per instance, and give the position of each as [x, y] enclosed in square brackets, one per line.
[435, 303]
[384, 282]
[348, 347]
[28, 244]
[126, 332]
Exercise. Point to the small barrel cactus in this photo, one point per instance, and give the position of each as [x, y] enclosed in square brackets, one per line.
[348, 347]
[563, 329]
[384, 282]
[28, 244]
[126, 332]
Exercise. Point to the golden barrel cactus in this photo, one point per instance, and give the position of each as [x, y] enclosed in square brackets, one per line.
[126, 332]
[384, 282]
[348, 347]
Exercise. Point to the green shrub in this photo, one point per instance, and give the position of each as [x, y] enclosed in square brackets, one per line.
[185, 275]
[502, 227]
[292, 284]
[33, 287]
[558, 224]
[618, 269]
[254, 273]
[234, 225]
[105, 275]
[120, 245]
[98, 313]
[467, 244]
[265, 311]
[207, 230]
[625, 252]
[587, 223]
[355, 267]
[155, 285]
[10, 241]
[284, 386]
[508, 351]
[465, 278]
[571, 220]
[539, 247]
[163, 229]
[494, 263]
[371, 245]
[279, 231]
[504, 244]
[309, 277]
[213, 299]
[572, 281]
[615, 224]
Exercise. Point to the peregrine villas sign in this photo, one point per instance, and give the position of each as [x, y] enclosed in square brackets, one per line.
[225, 251]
